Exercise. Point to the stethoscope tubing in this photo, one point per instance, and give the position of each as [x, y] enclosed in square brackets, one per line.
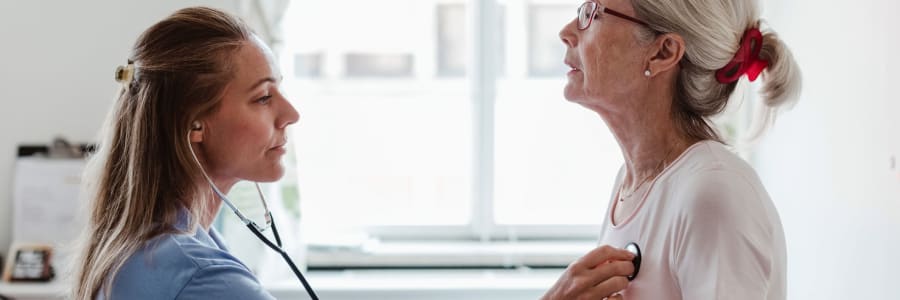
[253, 227]
[290, 262]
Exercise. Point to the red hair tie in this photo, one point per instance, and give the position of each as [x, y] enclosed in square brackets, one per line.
[746, 60]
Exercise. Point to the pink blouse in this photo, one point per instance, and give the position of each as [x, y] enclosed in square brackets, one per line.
[707, 229]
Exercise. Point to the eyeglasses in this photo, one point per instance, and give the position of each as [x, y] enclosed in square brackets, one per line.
[590, 9]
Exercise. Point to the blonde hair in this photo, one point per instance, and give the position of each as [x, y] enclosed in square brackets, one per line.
[142, 173]
[712, 31]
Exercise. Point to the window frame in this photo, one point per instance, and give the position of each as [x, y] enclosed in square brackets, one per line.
[482, 78]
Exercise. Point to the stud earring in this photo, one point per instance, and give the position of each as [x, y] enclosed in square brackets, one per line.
[647, 72]
[196, 126]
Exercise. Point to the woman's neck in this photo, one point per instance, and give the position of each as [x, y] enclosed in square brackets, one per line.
[648, 137]
[648, 152]
[212, 201]
[209, 216]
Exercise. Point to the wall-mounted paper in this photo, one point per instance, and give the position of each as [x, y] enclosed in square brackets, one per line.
[46, 202]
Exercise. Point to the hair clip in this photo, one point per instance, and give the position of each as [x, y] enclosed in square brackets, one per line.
[746, 60]
[124, 74]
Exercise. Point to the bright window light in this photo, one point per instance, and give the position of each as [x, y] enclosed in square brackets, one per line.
[390, 142]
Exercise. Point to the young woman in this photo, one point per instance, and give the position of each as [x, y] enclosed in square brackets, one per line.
[199, 105]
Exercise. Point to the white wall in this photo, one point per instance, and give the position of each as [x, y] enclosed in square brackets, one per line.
[826, 164]
[56, 71]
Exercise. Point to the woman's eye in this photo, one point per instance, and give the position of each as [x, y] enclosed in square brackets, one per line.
[265, 99]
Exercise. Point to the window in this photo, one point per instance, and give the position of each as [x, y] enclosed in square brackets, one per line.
[555, 162]
[420, 122]
[378, 65]
[308, 65]
[451, 43]
[543, 41]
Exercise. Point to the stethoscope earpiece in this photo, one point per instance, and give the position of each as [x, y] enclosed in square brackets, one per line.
[633, 248]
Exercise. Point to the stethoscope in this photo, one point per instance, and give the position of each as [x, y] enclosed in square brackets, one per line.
[634, 249]
[256, 229]
[630, 247]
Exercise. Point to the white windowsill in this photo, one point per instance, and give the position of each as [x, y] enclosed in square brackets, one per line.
[421, 284]
[32, 290]
[374, 284]
[450, 254]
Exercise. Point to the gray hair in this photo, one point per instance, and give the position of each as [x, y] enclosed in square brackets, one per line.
[712, 31]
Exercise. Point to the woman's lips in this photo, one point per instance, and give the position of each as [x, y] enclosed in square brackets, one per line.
[279, 148]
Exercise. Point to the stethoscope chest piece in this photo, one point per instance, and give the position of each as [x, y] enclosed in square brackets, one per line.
[633, 248]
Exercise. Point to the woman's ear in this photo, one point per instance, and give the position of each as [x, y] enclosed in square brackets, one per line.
[667, 50]
[196, 134]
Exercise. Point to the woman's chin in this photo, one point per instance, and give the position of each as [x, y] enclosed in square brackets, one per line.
[271, 175]
[573, 94]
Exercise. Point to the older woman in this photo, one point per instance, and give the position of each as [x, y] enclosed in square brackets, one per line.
[655, 71]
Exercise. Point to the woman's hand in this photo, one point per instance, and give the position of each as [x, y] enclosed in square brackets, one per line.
[596, 275]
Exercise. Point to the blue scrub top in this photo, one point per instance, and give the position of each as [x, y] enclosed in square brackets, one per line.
[185, 266]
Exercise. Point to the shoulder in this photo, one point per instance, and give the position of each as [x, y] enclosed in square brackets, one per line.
[223, 281]
[722, 214]
[169, 265]
[709, 157]
[709, 168]
[714, 183]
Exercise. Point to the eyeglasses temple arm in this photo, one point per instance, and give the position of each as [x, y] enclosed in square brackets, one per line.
[623, 16]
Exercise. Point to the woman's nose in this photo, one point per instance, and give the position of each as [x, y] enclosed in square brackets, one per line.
[289, 114]
[567, 34]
